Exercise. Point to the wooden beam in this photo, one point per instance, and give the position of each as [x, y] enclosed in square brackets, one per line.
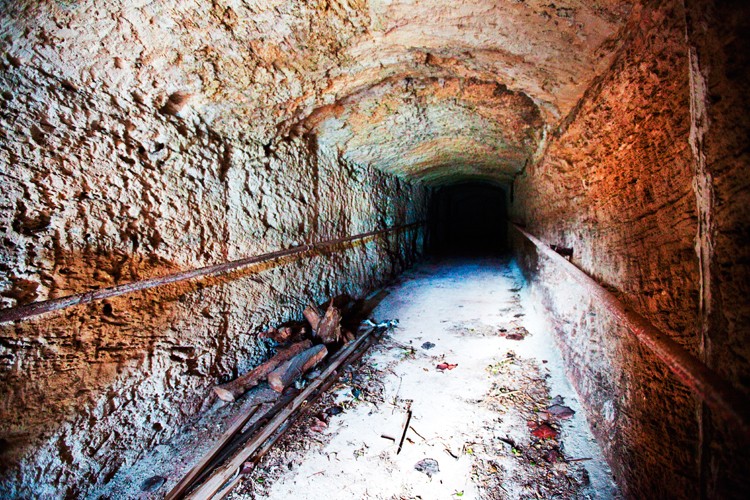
[290, 370]
[239, 386]
[214, 483]
[186, 481]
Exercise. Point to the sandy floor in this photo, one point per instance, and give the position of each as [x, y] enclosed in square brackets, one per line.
[471, 433]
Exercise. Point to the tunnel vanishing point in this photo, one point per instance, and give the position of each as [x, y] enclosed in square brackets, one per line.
[150, 151]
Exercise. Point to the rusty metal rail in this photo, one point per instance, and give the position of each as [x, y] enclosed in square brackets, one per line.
[712, 389]
[46, 306]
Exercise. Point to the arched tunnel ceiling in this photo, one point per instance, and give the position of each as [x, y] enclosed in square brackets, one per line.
[435, 90]
[443, 91]
[434, 130]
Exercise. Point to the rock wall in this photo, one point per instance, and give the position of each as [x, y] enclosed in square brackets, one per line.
[625, 182]
[111, 173]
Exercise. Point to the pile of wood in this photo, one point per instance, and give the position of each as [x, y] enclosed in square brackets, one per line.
[296, 354]
[324, 338]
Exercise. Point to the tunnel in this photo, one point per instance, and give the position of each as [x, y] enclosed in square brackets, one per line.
[467, 219]
[374, 249]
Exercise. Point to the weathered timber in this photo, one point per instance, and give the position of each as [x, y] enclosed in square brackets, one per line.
[221, 475]
[186, 481]
[312, 315]
[239, 386]
[287, 372]
[239, 442]
[329, 328]
[284, 334]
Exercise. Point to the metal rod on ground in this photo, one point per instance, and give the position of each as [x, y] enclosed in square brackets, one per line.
[407, 421]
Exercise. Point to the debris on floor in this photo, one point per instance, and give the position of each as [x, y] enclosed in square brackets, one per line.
[516, 333]
[446, 366]
[389, 324]
[239, 449]
[152, 484]
[381, 429]
[428, 466]
[538, 467]
[560, 412]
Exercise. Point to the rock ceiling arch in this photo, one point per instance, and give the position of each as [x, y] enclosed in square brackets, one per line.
[472, 85]
[434, 130]
[443, 91]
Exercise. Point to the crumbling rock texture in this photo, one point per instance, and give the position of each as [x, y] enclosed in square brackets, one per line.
[113, 172]
[624, 184]
[140, 138]
[435, 130]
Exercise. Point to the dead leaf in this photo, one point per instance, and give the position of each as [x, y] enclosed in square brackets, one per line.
[544, 431]
[560, 411]
[446, 366]
[318, 425]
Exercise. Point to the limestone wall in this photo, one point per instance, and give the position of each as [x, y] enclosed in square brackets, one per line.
[114, 170]
[621, 183]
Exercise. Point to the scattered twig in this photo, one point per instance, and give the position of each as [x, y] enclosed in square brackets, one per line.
[406, 428]
[448, 450]
[186, 481]
[418, 434]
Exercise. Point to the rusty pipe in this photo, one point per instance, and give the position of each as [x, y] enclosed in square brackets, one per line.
[46, 306]
[711, 388]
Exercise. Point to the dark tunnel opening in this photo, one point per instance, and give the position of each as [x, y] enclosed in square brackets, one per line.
[467, 219]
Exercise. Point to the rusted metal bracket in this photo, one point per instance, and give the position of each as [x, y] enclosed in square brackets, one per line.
[716, 392]
[46, 306]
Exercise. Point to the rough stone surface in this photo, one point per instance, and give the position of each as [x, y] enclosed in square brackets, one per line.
[141, 138]
[257, 69]
[718, 35]
[435, 130]
[630, 182]
[112, 171]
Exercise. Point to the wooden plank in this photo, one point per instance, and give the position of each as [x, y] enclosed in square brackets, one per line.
[232, 447]
[312, 315]
[186, 481]
[329, 328]
[288, 372]
[214, 483]
[239, 386]
[258, 455]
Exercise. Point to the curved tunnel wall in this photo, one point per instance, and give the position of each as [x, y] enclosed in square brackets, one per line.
[140, 139]
[638, 185]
